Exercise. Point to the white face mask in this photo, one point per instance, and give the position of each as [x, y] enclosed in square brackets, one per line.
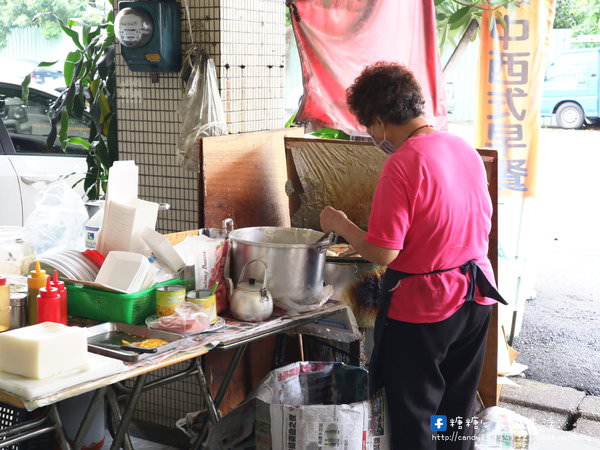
[385, 146]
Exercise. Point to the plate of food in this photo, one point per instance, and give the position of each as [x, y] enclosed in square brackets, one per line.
[130, 342]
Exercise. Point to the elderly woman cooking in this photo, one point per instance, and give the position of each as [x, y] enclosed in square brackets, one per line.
[429, 224]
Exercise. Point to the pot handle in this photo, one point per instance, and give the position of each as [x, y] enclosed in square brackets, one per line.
[326, 243]
[243, 272]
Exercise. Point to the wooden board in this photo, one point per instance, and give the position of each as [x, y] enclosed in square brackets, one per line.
[322, 172]
[243, 177]
[488, 385]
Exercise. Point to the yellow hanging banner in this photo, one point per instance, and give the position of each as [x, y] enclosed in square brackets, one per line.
[510, 89]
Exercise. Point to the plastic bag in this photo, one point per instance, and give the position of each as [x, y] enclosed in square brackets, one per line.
[209, 256]
[187, 318]
[306, 405]
[501, 428]
[58, 220]
[201, 108]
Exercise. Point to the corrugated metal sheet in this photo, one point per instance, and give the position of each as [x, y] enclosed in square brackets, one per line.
[28, 43]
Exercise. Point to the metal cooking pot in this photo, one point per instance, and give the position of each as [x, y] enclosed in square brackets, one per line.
[296, 263]
[357, 282]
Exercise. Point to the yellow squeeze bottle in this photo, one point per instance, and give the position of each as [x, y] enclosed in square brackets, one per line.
[35, 281]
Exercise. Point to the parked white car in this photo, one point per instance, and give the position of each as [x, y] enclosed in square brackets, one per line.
[26, 163]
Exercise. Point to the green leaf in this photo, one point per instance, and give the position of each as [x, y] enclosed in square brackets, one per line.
[500, 18]
[85, 35]
[95, 33]
[69, 68]
[459, 15]
[79, 141]
[47, 63]
[25, 89]
[72, 34]
[290, 121]
[64, 129]
[101, 152]
[462, 22]
[492, 23]
[329, 133]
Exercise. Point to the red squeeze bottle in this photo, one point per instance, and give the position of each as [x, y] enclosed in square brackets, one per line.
[48, 301]
[60, 285]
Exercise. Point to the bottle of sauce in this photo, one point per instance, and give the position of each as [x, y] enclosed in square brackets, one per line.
[60, 285]
[4, 305]
[48, 303]
[35, 281]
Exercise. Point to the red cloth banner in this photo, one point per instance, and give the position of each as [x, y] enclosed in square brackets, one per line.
[338, 38]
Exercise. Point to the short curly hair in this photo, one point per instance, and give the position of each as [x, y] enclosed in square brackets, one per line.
[386, 90]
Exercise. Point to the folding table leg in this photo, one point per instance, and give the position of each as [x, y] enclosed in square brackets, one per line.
[89, 416]
[213, 414]
[229, 374]
[62, 438]
[199, 442]
[115, 415]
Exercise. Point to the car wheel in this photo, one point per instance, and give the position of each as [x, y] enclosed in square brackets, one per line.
[570, 115]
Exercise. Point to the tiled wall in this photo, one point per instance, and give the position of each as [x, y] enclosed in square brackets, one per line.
[246, 39]
[247, 42]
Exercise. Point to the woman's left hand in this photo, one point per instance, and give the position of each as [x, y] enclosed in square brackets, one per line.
[332, 219]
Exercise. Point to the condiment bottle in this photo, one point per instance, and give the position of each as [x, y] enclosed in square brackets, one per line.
[4, 305]
[35, 281]
[18, 310]
[60, 285]
[48, 303]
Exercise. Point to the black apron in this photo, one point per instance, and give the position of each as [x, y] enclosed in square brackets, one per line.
[391, 279]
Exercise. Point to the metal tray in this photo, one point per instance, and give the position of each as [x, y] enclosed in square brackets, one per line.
[106, 338]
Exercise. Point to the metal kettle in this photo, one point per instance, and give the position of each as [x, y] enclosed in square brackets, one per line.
[250, 301]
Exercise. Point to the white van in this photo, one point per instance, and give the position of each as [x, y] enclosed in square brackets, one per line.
[572, 88]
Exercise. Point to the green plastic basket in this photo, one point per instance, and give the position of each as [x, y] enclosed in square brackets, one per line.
[92, 303]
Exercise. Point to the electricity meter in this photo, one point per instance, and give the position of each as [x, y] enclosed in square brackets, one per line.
[150, 35]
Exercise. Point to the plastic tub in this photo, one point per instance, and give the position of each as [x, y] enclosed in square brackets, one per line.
[91, 303]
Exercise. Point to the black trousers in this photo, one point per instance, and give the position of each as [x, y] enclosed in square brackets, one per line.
[433, 369]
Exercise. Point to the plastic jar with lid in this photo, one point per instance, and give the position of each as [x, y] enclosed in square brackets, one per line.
[16, 251]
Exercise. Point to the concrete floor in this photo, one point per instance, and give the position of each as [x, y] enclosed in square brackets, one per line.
[565, 418]
[140, 444]
[558, 339]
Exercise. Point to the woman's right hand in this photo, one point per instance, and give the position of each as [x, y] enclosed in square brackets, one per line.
[332, 220]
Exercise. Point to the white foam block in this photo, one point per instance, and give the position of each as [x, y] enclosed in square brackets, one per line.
[28, 388]
[43, 350]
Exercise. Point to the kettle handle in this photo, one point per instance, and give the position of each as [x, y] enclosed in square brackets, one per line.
[243, 272]
[227, 225]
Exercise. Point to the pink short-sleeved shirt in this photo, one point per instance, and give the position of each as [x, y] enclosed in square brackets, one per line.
[432, 204]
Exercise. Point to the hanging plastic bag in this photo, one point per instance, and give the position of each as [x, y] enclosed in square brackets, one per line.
[201, 108]
[57, 222]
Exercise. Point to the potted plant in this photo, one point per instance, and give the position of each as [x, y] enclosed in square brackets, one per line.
[90, 95]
